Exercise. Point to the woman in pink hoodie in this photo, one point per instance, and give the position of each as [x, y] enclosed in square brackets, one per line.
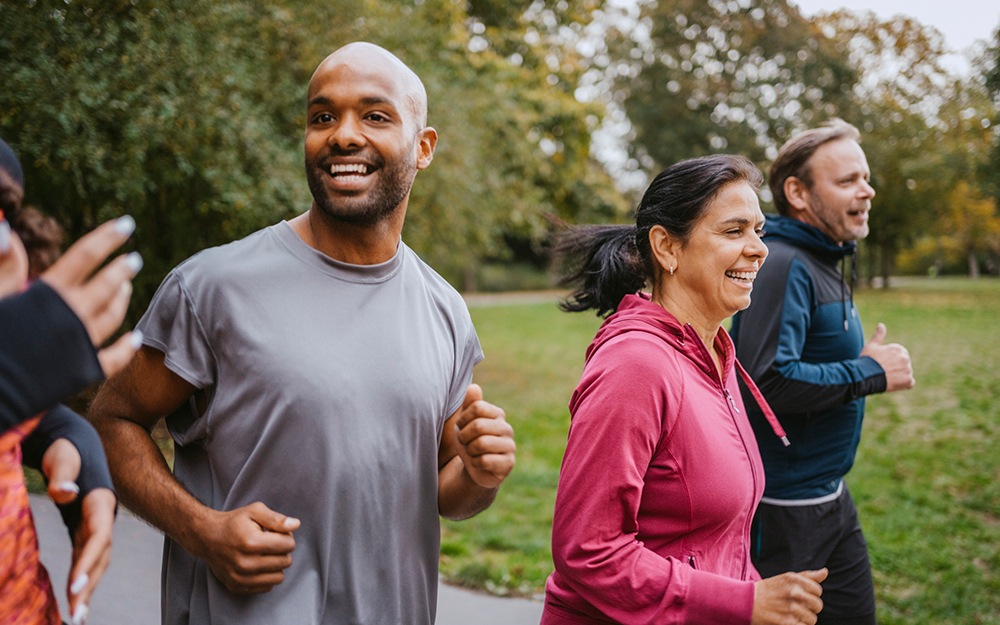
[662, 474]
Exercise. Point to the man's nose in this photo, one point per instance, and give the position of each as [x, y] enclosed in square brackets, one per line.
[347, 134]
[867, 190]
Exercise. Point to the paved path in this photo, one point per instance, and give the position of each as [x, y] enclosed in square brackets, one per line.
[129, 593]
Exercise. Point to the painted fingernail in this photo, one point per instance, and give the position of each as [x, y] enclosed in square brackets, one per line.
[68, 487]
[4, 236]
[125, 225]
[134, 261]
[79, 583]
[136, 339]
[290, 522]
[80, 615]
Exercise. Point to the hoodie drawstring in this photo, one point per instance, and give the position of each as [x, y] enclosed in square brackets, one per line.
[759, 398]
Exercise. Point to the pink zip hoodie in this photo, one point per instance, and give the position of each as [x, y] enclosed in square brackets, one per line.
[659, 483]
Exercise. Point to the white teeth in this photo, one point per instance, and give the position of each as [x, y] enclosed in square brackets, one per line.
[352, 168]
[742, 275]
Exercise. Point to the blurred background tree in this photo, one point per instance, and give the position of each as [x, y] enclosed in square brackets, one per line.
[189, 115]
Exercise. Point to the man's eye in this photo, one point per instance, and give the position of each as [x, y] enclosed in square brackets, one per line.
[324, 118]
[378, 117]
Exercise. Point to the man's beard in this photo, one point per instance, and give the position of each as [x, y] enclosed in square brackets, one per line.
[383, 200]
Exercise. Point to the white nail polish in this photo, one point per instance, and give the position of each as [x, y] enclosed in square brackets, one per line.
[125, 225]
[80, 583]
[80, 616]
[136, 339]
[68, 487]
[134, 261]
[4, 236]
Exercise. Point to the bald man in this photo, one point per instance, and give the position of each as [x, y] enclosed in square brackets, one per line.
[315, 377]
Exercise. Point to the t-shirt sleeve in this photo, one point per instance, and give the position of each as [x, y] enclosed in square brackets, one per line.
[469, 353]
[173, 326]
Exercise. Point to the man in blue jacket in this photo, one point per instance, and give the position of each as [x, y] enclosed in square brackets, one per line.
[802, 342]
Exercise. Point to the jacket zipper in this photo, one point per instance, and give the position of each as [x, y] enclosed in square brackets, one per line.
[746, 450]
[731, 400]
[753, 475]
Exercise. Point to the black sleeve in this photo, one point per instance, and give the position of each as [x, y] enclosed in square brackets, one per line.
[45, 354]
[61, 422]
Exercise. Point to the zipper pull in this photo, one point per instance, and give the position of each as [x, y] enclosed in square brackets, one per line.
[731, 400]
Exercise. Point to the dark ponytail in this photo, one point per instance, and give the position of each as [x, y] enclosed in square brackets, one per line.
[605, 262]
[609, 262]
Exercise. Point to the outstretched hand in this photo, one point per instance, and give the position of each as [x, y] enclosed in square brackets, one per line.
[92, 539]
[484, 440]
[91, 551]
[894, 360]
[788, 599]
[101, 300]
[249, 548]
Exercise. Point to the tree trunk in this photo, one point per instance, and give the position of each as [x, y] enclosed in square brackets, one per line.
[973, 264]
[872, 266]
[885, 258]
[469, 279]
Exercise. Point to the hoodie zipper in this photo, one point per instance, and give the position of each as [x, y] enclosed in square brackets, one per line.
[717, 377]
[746, 450]
[731, 400]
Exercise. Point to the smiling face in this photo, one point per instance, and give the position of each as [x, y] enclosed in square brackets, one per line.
[716, 265]
[365, 137]
[839, 197]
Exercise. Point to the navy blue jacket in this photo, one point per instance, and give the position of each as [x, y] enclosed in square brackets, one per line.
[800, 340]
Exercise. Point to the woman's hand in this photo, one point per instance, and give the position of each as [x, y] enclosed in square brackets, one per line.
[92, 539]
[788, 599]
[101, 300]
[91, 551]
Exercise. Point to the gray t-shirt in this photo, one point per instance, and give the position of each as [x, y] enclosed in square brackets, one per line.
[328, 385]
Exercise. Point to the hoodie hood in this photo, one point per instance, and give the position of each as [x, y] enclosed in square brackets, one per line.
[637, 313]
[803, 235]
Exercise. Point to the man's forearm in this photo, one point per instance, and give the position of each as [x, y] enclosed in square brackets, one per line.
[459, 497]
[145, 484]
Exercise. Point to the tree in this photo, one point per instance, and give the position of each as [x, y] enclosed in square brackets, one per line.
[189, 115]
[180, 114]
[703, 77]
[908, 108]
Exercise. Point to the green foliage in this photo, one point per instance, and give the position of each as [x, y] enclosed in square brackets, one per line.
[182, 115]
[189, 116]
[728, 77]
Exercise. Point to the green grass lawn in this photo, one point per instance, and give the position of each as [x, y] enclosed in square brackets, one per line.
[927, 478]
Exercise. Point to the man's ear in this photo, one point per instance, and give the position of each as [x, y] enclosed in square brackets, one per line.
[427, 139]
[665, 248]
[797, 193]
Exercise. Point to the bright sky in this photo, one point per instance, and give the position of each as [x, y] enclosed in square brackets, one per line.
[961, 21]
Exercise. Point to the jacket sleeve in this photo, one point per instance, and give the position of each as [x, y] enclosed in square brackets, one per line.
[61, 422]
[45, 355]
[616, 427]
[792, 385]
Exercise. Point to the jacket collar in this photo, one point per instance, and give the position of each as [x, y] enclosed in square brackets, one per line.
[801, 234]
